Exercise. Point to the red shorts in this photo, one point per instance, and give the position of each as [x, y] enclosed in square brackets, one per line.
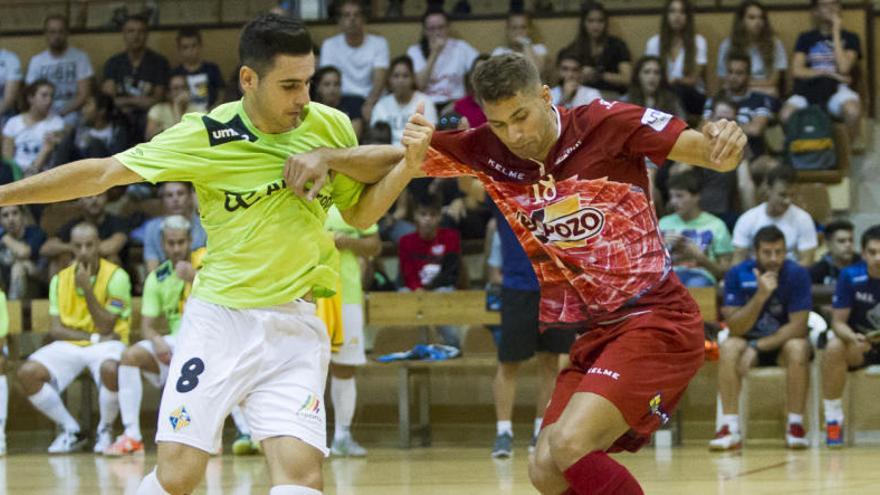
[642, 364]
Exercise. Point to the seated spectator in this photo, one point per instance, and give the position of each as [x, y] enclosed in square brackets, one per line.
[839, 240]
[396, 107]
[327, 90]
[20, 243]
[523, 37]
[90, 308]
[4, 384]
[753, 35]
[824, 65]
[430, 258]
[112, 234]
[569, 92]
[469, 110]
[98, 135]
[755, 110]
[684, 52]
[361, 58]
[136, 78]
[177, 199]
[30, 137]
[167, 113]
[605, 60]
[67, 68]
[698, 241]
[649, 88]
[797, 225]
[203, 78]
[440, 61]
[766, 303]
[10, 83]
[855, 323]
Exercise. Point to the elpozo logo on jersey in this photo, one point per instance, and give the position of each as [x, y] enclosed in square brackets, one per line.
[572, 226]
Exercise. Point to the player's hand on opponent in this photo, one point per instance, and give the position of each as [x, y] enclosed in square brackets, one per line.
[417, 138]
[767, 282]
[727, 141]
[304, 168]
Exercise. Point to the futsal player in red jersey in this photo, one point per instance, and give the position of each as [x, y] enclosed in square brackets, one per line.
[574, 187]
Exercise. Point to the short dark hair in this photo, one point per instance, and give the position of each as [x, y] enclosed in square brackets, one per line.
[740, 57]
[835, 225]
[502, 77]
[337, 5]
[768, 234]
[430, 202]
[137, 18]
[567, 55]
[781, 173]
[56, 17]
[872, 234]
[189, 32]
[269, 35]
[685, 181]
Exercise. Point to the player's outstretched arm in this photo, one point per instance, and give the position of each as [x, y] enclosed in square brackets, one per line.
[718, 147]
[74, 180]
[367, 164]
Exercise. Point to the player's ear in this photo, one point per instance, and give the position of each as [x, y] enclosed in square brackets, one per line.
[248, 78]
[546, 95]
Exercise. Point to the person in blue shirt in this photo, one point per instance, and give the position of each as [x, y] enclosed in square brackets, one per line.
[766, 304]
[855, 320]
[520, 338]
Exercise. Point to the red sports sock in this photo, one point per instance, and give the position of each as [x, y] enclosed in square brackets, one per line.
[598, 474]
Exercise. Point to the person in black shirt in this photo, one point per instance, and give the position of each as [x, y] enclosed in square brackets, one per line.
[605, 60]
[327, 89]
[839, 240]
[206, 85]
[20, 243]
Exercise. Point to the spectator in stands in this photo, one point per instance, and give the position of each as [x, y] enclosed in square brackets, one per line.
[396, 107]
[698, 241]
[90, 308]
[136, 78]
[840, 242]
[361, 58]
[753, 35]
[112, 234]
[650, 89]
[605, 60]
[440, 61]
[67, 68]
[30, 137]
[755, 110]
[327, 89]
[467, 108]
[825, 66]
[795, 223]
[98, 135]
[684, 52]
[165, 114]
[430, 257]
[204, 79]
[856, 326]
[523, 37]
[569, 92]
[20, 243]
[177, 199]
[766, 303]
[10, 83]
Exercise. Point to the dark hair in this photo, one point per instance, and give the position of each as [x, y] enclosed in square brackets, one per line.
[835, 225]
[768, 234]
[104, 102]
[319, 75]
[872, 234]
[688, 35]
[665, 99]
[137, 18]
[567, 55]
[582, 46]
[503, 77]
[739, 39]
[738, 56]
[469, 77]
[430, 201]
[30, 90]
[269, 35]
[56, 17]
[782, 173]
[189, 32]
[423, 41]
[405, 60]
[378, 133]
[685, 181]
[337, 5]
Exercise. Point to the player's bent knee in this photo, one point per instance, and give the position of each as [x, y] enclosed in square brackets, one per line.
[180, 467]
[32, 376]
[798, 351]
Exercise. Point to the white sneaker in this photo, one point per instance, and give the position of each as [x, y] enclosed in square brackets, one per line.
[725, 440]
[347, 447]
[104, 440]
[68, 442]
[796, 437]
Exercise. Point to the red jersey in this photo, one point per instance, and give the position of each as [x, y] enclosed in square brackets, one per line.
[431, 263]
[584, 216]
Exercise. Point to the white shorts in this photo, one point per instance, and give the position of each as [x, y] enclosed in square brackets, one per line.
[65, 361]
[272, 361]
[835, 104]
[158, 379]
[351, 353]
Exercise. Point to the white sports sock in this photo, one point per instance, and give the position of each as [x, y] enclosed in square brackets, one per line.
[538, 422]
[48, 402]
[343, 394]
[131, 392]
[293, 490]
[732, 422]
[150, 485]
[108, 407]
[4, 403]
[240, 423]
[503, 427]
[833, 410]
[795, 419]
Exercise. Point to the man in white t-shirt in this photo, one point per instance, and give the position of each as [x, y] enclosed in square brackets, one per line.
[361, 58]
[68, 68]
[797, 225]
[570, 93]
[10, 81]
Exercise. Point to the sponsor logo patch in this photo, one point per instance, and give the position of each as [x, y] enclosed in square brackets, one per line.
[180, 419]
[656, 408]
[311, 409]
[655, 119]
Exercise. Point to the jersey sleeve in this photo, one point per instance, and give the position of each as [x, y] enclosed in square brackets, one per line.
[151, 303]
[733, 293]
[177, 154]
[119, 294]
[633, 130]
[345, 190]
[801, 291]
[4, 316]
[53, 297]
[449, 154]
[843, 292]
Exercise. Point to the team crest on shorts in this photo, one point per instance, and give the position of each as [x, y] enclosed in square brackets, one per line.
[310, 409]
[656, 408]
[180, 419]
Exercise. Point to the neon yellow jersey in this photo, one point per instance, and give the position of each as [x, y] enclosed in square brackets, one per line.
[349, 268]
[4, 316]
[265, 245]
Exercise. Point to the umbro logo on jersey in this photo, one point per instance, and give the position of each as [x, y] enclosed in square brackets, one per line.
[222, 133]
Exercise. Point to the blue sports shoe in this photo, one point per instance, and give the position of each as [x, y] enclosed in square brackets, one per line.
[503, 448]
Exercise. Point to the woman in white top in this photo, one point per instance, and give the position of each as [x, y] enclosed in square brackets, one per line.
[683, 52]
[753, 35]
[396, 107]
[441, 62]
[523, 37]
[30, 137]
[167, 113]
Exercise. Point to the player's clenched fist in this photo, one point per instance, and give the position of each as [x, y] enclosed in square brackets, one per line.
[417, 137]
[726, 142]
